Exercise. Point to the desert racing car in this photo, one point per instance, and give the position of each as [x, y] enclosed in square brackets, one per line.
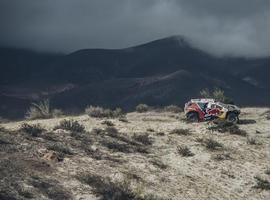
[208, 109]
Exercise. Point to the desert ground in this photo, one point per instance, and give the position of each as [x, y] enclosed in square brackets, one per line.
[150, 155]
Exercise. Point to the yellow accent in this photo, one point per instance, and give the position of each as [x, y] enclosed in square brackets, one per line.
[223, 115]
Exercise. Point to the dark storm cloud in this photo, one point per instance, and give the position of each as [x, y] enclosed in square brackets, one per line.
[231, 27]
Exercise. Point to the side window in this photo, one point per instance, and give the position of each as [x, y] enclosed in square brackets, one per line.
[202, 105]
[219, 107]
[213, 106]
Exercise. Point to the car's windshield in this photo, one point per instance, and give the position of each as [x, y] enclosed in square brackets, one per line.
[202, 105]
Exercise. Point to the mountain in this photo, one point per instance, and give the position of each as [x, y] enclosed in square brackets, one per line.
[162, 72]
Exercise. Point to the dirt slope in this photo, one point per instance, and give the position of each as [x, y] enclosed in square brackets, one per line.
[101, 162]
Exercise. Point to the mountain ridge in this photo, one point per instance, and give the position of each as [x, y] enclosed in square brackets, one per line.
[118, 77]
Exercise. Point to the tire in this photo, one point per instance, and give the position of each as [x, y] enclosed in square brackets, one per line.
[232, 117]
[192, 117]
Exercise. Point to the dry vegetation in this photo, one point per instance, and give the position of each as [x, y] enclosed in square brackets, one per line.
[145, 155]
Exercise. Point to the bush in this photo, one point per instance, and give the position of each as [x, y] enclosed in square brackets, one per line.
[212, 144]
[107, 123]
[142, 108]
[222, 156]
[40, 110]
[181, 132]
[262, 183]
[123, 119]
[223, 126]
[57, 113]
[173, 109]
[111, 131]
[99, 112]
[70, 125]
[216, 94]
[252, 141]
[61, 149]
[143, 138]
[33, 130]
[50, 188]
[107, 189]
[159, 164]
[184, 151]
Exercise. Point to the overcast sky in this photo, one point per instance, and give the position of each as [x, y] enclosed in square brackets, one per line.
[221, 27]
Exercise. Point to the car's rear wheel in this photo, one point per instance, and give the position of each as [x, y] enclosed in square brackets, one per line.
[192, 117]
[232, 117]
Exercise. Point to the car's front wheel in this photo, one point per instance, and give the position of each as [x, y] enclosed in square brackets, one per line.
[192, 117]
[232, 117]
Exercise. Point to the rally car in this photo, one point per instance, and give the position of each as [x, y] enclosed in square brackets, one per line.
[207, 109]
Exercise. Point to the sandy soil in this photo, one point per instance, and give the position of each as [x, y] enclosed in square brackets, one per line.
[156, 172]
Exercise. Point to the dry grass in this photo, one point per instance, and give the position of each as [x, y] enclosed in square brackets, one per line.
[34, 130]
[262, 183]
[158, 163]
[39, 110]
[253, 141]
[70, 125]
[143, 138]
[173, 109]
[125, 159]
[222, 156]
[180, 131]
[211, 144]
[141, 108]
[105, 189]
[184, 151]
[108, 123]
[223, 126]
[99, 112]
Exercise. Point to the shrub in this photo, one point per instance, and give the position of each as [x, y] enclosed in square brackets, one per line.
[118, 112]
[159, 164]
[111, 131]
[33, 130]
[97, 131]
[142, 108]
[160, 133]
[252, 141]
[61, 149]
[150, 130]
[50, 188]
[222, 156]
[262, 183]
[57, 113]
[184, 151]
[212, 144]
[223, 126]
[117, 146]
[181, 131]
[40, 110]
[143, 138]
[107, 189]
[123, 119]
[107, 123]
[70, 125]
[99, 112]
[216, 94]
[173, 109]
[205, 93]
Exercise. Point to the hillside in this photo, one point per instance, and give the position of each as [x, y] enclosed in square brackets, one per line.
[142, 157]
[162, 72]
